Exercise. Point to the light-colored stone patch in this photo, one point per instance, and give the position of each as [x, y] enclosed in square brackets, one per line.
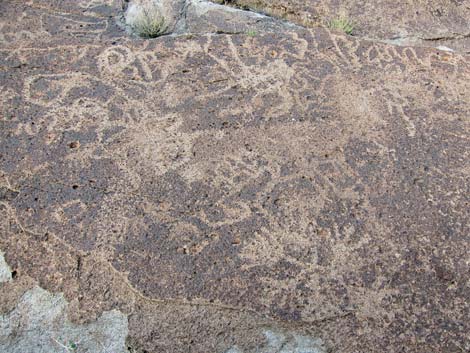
[39, 324]
[286, 342]
[234, 350]
[5, 271]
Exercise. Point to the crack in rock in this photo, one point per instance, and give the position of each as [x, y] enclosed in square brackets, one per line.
[305, 18]
[226, 17]
[200, 16]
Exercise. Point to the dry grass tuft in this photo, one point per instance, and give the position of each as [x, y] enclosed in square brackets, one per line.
[146, 20]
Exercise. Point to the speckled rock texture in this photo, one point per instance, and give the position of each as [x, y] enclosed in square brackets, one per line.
[416, 22]
[213, 185]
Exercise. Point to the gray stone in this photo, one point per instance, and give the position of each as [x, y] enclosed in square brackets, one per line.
[39, 324]
[278, 341]
[5, 271]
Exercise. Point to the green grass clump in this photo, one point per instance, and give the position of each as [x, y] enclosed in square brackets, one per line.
[251, 33]
[342, 24]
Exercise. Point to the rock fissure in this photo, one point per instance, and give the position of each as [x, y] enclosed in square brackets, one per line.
[283, 11]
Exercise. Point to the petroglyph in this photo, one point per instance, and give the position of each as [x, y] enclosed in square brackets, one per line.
[395, 22]
[236, 174]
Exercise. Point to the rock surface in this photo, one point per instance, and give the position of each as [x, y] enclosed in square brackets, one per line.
[40, 318]
[5, 271]
[237, 176]
[404, 22]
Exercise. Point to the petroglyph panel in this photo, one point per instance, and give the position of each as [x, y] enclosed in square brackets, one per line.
[315, 179]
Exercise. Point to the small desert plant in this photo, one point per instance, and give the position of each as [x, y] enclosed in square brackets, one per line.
[342, 24]
[146, 20]
[251, 33]
[69, 346]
